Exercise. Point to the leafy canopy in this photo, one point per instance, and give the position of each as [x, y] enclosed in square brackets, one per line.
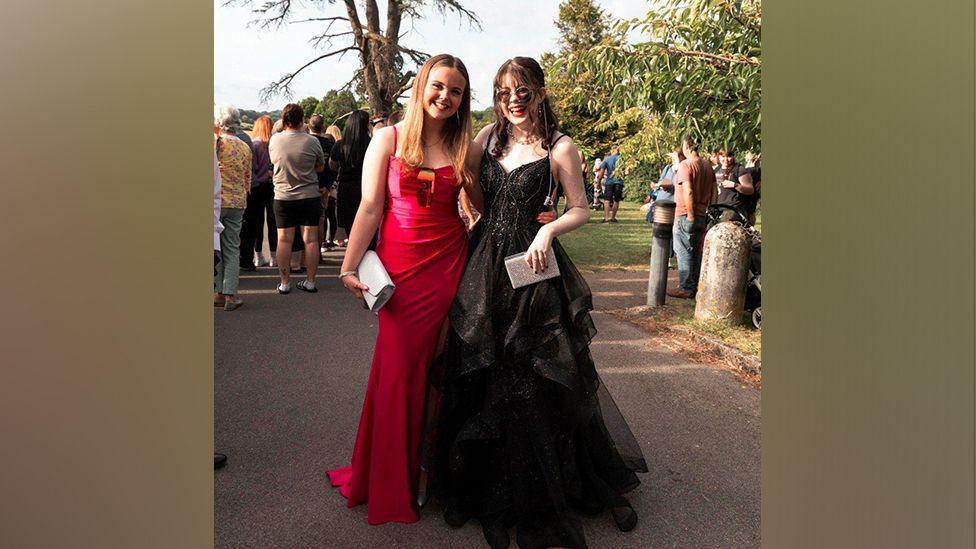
[698, 69]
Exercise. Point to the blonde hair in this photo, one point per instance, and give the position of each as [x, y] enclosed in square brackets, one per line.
[457, 130]
[334, 131]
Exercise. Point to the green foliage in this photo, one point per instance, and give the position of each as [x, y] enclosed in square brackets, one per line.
[698, 70]
[595, 125]
[480, 119]
[254, 115]
[308, 106]
[581, 26]
[336, 104]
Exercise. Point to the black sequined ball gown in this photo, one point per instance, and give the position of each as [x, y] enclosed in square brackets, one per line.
[528, 436]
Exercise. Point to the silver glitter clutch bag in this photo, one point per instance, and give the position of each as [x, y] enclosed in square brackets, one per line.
[522, 275]
[373, 274]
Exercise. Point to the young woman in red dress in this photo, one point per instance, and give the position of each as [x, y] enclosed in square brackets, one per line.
[412, 175]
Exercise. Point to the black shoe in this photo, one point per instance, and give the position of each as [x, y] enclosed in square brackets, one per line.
[307, 286]
[455, 517]
[613, 220]
[219, 460]
[250, 267]
[625, 516]
[496, 535]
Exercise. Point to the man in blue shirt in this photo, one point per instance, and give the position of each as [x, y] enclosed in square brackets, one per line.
[664, 190]
[613, 187]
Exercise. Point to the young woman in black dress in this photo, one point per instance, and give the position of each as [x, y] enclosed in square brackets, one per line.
[347, 161]
[527, 434]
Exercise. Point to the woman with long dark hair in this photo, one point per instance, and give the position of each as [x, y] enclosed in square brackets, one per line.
[528, 434]
[411, 178]
[331, 219]
[347, 161]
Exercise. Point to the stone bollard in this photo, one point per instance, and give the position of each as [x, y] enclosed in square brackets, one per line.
[725, 267]
[657, 280]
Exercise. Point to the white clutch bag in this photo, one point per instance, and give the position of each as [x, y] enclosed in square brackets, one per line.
[521, 274]
[373, 274]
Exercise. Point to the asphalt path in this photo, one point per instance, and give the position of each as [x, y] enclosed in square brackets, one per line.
[290, 376]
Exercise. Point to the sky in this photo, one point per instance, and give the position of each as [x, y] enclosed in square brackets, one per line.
[247, 59]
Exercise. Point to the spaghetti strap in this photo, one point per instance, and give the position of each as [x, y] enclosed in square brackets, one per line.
[394, 140]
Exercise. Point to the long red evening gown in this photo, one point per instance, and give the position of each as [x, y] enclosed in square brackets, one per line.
[423, 245]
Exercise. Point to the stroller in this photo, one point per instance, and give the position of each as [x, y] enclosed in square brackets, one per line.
[717, 213]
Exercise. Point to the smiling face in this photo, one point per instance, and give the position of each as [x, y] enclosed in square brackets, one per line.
[443, 92]
[519, 102]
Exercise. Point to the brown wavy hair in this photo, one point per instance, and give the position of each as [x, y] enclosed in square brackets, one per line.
[526, 72]
[457, 129]
[262, 129]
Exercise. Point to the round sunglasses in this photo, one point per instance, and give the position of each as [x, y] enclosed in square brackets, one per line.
[523, 94]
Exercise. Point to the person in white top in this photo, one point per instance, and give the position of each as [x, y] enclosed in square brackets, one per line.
[219, 459]
[218, 227]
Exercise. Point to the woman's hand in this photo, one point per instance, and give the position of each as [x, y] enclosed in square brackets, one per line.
[354, 285]
[547, 216]
[535, 256]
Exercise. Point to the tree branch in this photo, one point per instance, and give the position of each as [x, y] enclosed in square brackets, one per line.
[348, 85]
[282, 86]
[443, 6]
[407, 83]
[316, 41]
[321, 19]
[394, 16]
[729, 60]
[281, 7]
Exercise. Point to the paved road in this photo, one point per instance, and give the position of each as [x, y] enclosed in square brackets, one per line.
[290, 376]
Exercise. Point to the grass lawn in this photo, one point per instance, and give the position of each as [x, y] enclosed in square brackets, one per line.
[611, 246]
[626, 246]
[681, 312]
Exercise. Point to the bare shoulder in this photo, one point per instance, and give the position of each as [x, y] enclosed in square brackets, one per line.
[564, 150]
[483, 135]
[384, 138]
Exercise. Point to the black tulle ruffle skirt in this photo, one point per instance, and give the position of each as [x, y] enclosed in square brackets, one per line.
[527, 436]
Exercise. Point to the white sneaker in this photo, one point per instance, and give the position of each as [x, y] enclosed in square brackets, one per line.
[284, 288]
[261, 261]
[271, 262]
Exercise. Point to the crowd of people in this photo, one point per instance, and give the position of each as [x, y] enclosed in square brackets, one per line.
[704, 190]
[294, 181]
[313, 185]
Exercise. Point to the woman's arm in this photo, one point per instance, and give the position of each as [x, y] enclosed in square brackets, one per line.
[370, 211]
[567, 170]
[475, 153]
[467, 209]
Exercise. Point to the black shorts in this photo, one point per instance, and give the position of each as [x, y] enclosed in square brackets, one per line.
[614, 192]
[305, 212]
